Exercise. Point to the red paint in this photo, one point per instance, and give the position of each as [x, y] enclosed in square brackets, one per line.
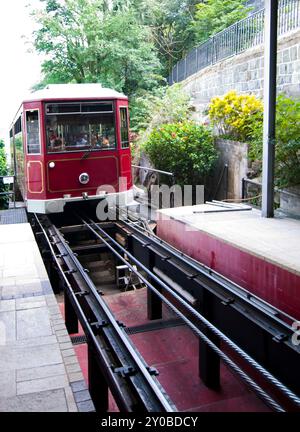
[38, 181]
[174, 353]
[269, 281]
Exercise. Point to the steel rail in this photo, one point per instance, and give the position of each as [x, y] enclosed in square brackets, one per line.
[244, 295]
[224, 357]
[76, 304]
[266, 374]
[140, 366]
[164, 404]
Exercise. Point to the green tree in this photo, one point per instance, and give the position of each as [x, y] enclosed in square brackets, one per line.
[170, 21]
[213, 16]
[96, 41]
[3, 172]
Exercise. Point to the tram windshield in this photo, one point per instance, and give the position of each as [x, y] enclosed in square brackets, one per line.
[80, 126]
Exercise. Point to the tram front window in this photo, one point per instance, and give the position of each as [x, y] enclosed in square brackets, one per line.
[77, 127]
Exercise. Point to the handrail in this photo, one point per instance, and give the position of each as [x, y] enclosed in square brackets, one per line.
[238, 37]
[154, 170]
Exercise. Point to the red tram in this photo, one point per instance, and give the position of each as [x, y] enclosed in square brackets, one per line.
[70, 142]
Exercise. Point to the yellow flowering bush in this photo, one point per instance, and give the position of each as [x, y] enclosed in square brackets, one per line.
[235, 115]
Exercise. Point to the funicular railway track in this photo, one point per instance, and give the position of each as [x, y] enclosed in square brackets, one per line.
[251, 337]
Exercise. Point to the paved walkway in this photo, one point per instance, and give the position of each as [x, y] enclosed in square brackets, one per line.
[39, 370]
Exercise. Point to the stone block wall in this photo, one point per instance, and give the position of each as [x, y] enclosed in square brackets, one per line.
[245, 74]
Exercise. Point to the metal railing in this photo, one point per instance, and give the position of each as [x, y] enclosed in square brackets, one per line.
[252, 189]
[150, 197]
[244, 34]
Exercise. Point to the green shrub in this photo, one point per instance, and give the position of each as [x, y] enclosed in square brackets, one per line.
[240, 117]
[185, 148]
[287, 151]
[235, 116]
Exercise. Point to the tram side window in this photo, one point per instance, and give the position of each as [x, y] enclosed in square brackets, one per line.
[124, 127]
[33, 132]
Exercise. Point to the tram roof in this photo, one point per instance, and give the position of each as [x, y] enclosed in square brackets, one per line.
[74, 91]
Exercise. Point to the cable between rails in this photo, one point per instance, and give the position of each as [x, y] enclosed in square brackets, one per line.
[267, 398]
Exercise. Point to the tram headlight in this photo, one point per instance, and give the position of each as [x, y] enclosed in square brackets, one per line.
[84, 178]
[51, 164]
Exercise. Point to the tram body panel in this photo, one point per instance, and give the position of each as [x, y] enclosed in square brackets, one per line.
[74, 148]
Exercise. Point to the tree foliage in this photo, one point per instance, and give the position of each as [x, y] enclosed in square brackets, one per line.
[164, 105]
[287, 143]
[96, 41]
[213, 16]
[126, 44]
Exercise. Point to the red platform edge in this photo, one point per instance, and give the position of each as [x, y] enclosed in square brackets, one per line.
[274, 284]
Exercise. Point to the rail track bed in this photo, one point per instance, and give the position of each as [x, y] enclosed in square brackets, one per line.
[92, 263]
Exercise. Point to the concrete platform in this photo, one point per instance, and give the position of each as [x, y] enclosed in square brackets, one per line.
[39, 370]
[262, 255]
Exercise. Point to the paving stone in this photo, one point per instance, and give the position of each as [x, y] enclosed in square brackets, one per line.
[62, 339]
[56, 316]
[36, 341]
[70, 360]
[65, 345]
[8, 282]
[68, 352]
[19, 290]
[58, 321]
[78, 386]
[33, 323]
[75, 376]
[8, 384]
[53, 310]
[73, 368]
[42, 384]
[7, 305]
[47, 401]
[82, 396]
[72, 407]
[29, 303]
[22, 357]
[8, 325]
[61, 332]
[51, 302]
[59, 327]
[40, 372]
[86, 406]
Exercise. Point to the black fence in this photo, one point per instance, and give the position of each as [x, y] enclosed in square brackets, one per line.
[240, 36]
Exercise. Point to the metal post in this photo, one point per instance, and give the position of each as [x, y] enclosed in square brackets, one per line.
[154, 303]
[243, 188]
[97, 384]
[71, 319]
[271, 18]
[209, 361]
